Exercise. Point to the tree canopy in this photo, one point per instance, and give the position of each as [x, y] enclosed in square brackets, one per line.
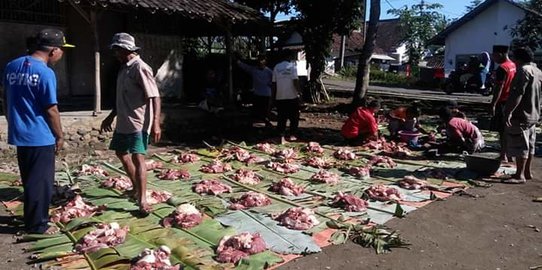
[528, 32]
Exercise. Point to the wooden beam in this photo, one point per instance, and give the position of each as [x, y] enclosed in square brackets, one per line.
[97, 63]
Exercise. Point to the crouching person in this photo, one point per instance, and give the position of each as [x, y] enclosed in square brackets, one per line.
[461, 134]
[362, 126]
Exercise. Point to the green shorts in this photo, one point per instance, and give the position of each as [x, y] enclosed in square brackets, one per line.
[135, 143]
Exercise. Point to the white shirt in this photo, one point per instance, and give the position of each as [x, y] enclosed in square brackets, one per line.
[284, 75]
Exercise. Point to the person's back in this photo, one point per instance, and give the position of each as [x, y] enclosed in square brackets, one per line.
[361, 121]
[461, 128]
[284, 74]
[506, 78]
[528, 111]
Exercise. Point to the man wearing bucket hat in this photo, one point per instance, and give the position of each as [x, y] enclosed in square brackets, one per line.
[138, 114]
[34, 123]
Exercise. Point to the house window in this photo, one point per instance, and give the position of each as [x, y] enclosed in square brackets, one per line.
[32, 11]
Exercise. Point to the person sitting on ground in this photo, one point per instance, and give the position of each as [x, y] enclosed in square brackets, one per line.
[404, 119]
[362, 126]
[461, 134]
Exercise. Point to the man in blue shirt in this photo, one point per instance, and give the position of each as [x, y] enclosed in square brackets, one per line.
[261, 82]
[34, 123]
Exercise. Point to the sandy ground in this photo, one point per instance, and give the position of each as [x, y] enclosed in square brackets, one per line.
[498, 228]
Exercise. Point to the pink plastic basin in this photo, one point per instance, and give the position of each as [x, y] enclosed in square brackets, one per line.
[409, 136]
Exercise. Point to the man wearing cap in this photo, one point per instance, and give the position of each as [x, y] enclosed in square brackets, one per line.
[522, 113]
[34, 123]
[138, 114]
[505, 74]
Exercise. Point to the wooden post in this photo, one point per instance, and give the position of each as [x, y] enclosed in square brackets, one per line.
[229, 56]
[97, 81]
[341, 52]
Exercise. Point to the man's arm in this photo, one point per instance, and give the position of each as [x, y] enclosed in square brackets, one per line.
[4, 105]
[244, 67]
[53, 115]
[156, 129]
[500, 76]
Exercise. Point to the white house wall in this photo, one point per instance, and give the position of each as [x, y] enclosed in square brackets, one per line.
[491, 27]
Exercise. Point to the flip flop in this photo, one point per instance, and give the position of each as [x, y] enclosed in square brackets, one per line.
[514, 181]
[53, 229]
[539, 199]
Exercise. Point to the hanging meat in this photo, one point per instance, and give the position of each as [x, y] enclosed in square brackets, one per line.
[232, 249]
[283, 167]
[411, 182]
[92, 170]
[382, 161]
[249, 200]
[298, 218]
[157, 259]
[245, 176]
[157, 196]
[185, 216]
[105, 235]
[216, 166]
[318, 162]
[327, 177]
[152, 164]
[119, 183]
[174, 174]
[287, 187]
[211, 187]
[360, 171]
[314, 147]
[344, 154]
[286, 154]
[186, 158]
[383, 193]
[265, 147]
[349, 203]
[75, 209]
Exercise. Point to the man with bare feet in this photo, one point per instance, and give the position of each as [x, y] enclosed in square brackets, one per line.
[522, 112]
[138, 114]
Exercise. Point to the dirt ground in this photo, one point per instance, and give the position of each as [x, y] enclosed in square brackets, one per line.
[496, 228]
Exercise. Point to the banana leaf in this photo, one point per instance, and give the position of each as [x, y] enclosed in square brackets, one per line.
[259, 261]
[278, 238]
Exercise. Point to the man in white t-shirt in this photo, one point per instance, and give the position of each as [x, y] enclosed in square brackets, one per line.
[285, 94]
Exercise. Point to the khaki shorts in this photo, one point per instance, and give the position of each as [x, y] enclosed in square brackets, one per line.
[521, 140]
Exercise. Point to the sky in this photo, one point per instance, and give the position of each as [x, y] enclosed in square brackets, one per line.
[452, 8]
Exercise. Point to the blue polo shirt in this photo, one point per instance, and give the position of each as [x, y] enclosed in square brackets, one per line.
[30, 87]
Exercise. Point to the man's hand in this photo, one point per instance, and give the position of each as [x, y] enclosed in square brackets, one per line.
[106, 124]
[156, 133]
[509, 120]
[492, 110]
[58, 144]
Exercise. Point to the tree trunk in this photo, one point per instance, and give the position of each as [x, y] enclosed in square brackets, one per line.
[362, 76]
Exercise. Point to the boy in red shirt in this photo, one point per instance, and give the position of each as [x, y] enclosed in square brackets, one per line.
[362, 126]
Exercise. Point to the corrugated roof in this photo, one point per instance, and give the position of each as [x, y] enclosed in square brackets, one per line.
[209, 10]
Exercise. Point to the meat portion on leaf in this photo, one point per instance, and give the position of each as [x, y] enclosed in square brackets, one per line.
[105, 235]
[186, 158]
[318, 162]
[249, 200]
[298, 218]
[76, 208]
[265, 147]
[287, 187]
[119, 183]
[360, 171]
[349, 202]
[152, 164]
[157, 259]
[283, 167]
[327, 177]
[236, 153]
[92, 170]
[382, 161]
[185, 216]
[211, 187]
[232, 249]
[157, 196]
[286, 154]
[246, 176]
[344, 154]
[412, 183]
[383, 193]
[174, 174]
[314, 147]
[216, 166]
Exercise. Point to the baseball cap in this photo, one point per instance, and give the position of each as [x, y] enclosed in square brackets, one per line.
[125, 41]
[52, 37]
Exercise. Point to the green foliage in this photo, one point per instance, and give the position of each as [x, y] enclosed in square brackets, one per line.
[420, 23]
[473, 4]
[272, 6]
[528, 31]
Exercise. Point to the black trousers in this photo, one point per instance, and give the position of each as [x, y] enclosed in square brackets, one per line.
[37, 167]
[287, 109]
[260, 108]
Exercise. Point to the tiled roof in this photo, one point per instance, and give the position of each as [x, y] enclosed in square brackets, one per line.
[209, 10]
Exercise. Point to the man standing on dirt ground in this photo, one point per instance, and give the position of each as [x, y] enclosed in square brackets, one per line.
[34, 124]
[261, 82]
[138, 113]
[504, 76]
[522, 113]
[286, 95]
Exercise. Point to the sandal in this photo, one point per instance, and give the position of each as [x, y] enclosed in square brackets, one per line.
[53, 229]
[514, 181]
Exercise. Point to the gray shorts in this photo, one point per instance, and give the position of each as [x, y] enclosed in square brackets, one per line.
[521, 140]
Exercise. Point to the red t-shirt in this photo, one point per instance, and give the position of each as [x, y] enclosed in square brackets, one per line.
[505, 75]
[461, 128]
[362, 121]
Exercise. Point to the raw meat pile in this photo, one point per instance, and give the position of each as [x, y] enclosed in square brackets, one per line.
[298, 218]
[254, 159]
[92, 170]
[154, 260]
[327, 177]
[361, 171]
[317, 162]
[211, 187]
[314, 147]
[152, 164]
[287, 187]
[394, 149]
[376, 145]
[186, 158]
[383, 193]
[216, 166]
[249, 200]
[174, 174]
[232, 249]
[382, 161]
[237, 153]
[344, 154]
[75, 209]
[349, 203]
[265, 147]
[245, 176]
[286, 154]
[185, 216]
[105, 235]
[156, 197]
[411, 182]
[283, 167]
[118, 183]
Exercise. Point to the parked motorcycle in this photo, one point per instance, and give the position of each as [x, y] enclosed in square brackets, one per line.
[464, 80]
